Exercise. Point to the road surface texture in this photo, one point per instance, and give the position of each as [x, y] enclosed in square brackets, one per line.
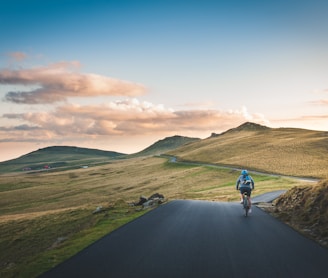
[199, 239]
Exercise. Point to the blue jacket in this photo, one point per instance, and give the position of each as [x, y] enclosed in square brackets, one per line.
[245, 181]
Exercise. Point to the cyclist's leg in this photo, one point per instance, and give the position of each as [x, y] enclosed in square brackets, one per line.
[241, 195]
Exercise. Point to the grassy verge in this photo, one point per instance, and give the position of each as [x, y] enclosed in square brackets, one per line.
[30, 247]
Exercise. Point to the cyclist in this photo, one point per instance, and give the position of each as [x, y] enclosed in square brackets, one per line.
[245, 183]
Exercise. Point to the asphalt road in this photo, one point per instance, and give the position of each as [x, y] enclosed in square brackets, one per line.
[267, 197]
[199, 239]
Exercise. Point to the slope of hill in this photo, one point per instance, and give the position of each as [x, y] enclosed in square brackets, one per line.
[288, 151]
[57, 156]
[165, 145]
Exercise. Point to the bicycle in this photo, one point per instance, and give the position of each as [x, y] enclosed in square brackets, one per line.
[245, 203]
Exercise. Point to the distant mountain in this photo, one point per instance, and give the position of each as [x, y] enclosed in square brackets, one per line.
[165, 145]
[66, 157]
[72, 153]
[57, 156]
[248, 126]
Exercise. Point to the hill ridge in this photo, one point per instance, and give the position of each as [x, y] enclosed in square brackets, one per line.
[286, 151]
[247, 126]
[75, 149]
[250, 126]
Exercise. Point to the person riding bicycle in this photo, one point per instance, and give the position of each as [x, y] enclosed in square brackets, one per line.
[245, 183]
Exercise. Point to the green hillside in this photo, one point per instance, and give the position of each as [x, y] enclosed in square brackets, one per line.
[288, 151]
[58, 156]
[65, 157]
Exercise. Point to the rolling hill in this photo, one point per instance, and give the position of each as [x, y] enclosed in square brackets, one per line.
[58, 156]
[66, 157]
[165, 145]
[288, 151]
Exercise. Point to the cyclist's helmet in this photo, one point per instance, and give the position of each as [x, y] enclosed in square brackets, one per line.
[244, 172]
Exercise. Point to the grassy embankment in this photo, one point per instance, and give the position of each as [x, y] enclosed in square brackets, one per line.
[305, 208]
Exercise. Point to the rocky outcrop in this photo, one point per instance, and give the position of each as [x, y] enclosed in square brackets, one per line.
[153, 200]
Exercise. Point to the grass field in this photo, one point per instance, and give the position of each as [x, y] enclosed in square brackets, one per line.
[47, 217]
[294, 152]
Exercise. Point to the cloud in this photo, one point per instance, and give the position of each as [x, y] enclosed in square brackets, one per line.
[17, 56]
[308, 118]
[320, 102]
[125, 118]
[19, 128]
[311, 122]
[324, 91]
[59, 81]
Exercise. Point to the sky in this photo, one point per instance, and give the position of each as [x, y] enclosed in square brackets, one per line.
[121, 75]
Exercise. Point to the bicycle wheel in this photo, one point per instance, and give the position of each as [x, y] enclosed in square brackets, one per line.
[246, 207]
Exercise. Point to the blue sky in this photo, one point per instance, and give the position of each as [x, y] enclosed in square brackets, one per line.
[120, 75]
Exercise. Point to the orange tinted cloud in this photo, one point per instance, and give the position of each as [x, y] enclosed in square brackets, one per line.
[129, 117]
[59, 81]
[18, 56]
[321, 102]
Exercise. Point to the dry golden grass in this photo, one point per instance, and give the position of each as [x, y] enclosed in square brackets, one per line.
[305, 208]
[46, 217]
[294, 152]
[32, 215]
[30, 194]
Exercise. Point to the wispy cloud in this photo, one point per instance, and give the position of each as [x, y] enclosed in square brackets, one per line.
[17, 56]
[311, 122]
[320, 102]
[324, 91]
[125, 118]
[308, 118]
[59, 81]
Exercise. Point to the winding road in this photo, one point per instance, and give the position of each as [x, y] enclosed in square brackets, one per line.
[196, 239]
